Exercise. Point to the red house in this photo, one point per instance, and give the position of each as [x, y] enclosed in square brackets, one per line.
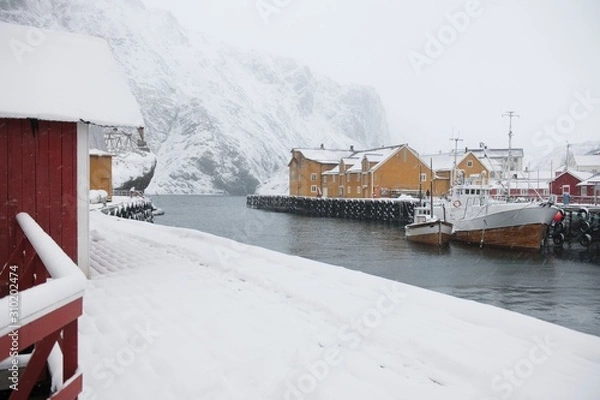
[566, 182]
[54, 85]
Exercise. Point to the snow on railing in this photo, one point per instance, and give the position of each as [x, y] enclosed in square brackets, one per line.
[67, 283]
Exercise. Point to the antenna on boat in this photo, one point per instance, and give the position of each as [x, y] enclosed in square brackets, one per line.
[510, 115]
[431, 177]
[456, 140]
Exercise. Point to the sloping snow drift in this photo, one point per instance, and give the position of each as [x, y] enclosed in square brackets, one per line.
[173, 313]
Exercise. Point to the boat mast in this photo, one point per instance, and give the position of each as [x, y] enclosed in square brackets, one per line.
[453, 172]
[510, 115]
[431, 185]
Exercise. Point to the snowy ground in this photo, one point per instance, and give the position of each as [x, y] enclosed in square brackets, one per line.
[172, 313]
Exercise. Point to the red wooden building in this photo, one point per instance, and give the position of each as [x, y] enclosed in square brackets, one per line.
[566, 182]
[54, 86]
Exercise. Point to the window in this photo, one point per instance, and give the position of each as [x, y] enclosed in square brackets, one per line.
[324, 178]
[469, 163]
[357, 177]
[333, 178]
[524, 192]
[566, 189]
[358, 190]
[313, 177]
[341, 191]
[423, 177]
[313, 189]
[349, 190]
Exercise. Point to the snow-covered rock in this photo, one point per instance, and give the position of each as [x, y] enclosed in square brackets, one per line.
[278, 184]
[219, 119]
[133, 169]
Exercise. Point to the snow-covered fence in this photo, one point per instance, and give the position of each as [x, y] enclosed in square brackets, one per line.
[42, 313]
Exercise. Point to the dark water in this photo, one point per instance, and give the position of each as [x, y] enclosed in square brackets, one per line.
[560, 288]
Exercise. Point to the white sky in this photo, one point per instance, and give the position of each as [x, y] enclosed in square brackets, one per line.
[529, 56]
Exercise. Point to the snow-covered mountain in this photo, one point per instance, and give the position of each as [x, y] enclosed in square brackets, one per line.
[557, 157]
[220, 119]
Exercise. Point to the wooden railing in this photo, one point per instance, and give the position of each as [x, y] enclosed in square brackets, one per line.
[39, 315]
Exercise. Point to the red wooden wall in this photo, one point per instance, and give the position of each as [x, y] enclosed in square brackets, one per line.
[566, 179]
[38, 175]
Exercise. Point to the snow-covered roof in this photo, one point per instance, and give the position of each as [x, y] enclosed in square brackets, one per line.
[594, 180]
[62, 76]
[497, 153]
[98, 152]
[587, 160]
[324, 156]
[581, 175]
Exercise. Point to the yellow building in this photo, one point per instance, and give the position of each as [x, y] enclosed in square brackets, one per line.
[101, 172]
[382, 172]
[306, 170]
[468, 166]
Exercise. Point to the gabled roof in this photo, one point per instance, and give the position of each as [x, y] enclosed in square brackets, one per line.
[324, 156]
[372, 156]
[62, 76]
[582, 176]
[389, 152]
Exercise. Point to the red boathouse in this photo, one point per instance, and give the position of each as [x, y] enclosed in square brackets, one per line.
[54, 86]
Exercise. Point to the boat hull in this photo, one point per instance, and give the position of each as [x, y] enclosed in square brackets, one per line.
[507, 226]
[527, 237]
[436, 233]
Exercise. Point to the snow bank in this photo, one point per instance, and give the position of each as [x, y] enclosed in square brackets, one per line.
[174, 313]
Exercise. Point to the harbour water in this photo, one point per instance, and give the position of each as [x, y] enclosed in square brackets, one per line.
[559, 287]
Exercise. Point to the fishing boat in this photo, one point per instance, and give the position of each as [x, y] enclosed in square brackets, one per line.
[478, 218]
[428, 229]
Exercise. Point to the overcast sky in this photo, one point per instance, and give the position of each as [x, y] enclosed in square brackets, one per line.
[439, 66]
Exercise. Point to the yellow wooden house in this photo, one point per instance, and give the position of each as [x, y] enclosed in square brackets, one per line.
[101, 171]
[306, 169]
[387, 171]
[468, 166]
[382, 172]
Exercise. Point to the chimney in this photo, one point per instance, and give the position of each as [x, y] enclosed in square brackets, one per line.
[322, 146]
[351, 147]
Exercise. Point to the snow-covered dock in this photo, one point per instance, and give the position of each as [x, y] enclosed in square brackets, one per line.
[130, 207]
[174, 313]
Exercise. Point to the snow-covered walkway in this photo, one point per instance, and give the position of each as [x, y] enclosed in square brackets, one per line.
[172, 313]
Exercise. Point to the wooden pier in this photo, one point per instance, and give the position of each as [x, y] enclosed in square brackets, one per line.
[386, 210]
